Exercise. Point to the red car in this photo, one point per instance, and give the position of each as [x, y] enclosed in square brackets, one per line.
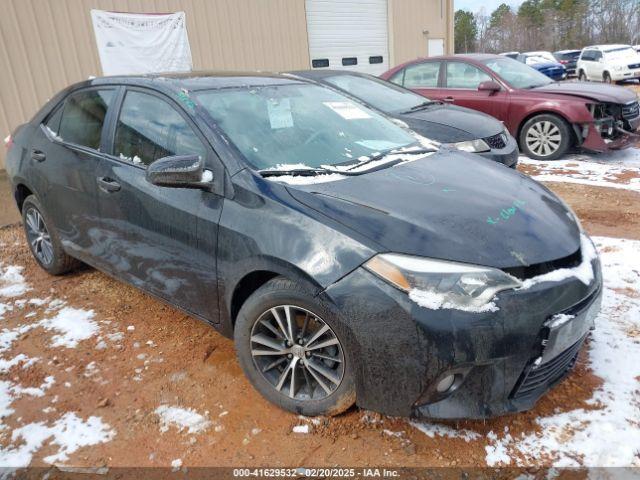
[546, 117]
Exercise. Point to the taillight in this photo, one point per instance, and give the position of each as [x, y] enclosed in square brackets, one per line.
[564, 62]
[8, 142]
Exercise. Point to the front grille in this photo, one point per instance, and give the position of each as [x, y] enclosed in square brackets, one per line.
[633, 66]
[497, 141]
[630, 110]
[536, 269]
[536, 379]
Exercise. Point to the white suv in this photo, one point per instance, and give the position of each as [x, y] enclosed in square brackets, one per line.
[608, 63]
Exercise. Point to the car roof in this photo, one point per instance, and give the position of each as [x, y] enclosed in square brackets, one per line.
[193, 81]
[560, 52]
[324, 73]
[461, 56]
[605, 48]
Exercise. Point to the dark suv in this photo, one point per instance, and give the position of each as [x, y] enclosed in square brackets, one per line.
[350, 262]
[568, 58]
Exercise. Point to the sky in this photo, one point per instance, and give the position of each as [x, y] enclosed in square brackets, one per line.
[489, 5]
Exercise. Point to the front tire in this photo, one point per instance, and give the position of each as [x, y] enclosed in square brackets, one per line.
[293, 350]
[43, 239]
[606, 77]
[582, 76]
[545, 137]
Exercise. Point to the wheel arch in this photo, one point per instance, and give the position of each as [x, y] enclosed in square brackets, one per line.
[247, 280]
[20, 194]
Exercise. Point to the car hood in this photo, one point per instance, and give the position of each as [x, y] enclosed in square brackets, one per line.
[453, 206]
[449, 123]
[543, 65]
[594, 91]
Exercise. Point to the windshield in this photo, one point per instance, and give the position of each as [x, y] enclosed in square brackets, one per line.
[620, 53]
[382, 95]
[300, 125]
[517, 74]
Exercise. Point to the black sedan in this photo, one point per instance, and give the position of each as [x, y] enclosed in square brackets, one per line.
[349, 262]
[456, 127]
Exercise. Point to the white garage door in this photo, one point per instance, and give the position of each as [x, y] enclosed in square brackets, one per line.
[348, 34]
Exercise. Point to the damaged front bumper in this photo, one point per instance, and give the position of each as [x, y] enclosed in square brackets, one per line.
[413, 361]
[614, 127]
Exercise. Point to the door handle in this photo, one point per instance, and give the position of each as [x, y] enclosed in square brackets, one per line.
[38, 155]
[108, 185]
[449, 99]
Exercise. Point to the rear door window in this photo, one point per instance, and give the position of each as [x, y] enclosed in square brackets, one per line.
[82, 117]
[150, 128]
[422, 75]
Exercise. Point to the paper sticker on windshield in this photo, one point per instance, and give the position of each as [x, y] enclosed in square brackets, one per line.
[280, 113]
[347, 110]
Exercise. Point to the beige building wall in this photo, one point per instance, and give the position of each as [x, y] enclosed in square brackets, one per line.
[413, 22]
[46, 45]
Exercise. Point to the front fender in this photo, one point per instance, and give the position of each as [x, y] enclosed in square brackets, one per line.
[265, 229]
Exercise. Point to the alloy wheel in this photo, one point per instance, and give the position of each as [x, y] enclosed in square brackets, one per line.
[38, 236]
[297, 353]
[543, 138]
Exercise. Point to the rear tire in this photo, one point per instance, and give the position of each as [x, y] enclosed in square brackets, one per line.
[43, 239]
[306, 381]
[545, 137]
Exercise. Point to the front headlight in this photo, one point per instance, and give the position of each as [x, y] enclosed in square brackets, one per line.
[442, 284]
[473, 146]
[619, 68]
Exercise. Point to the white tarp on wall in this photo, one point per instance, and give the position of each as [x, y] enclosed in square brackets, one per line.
[133, 43]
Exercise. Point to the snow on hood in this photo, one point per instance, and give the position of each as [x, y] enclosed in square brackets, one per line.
[583, 271]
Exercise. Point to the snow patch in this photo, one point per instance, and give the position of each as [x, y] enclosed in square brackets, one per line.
[301, 429]
[433, 429]
[182, 418]
[12, 283]
[594, 170]
[73, 325]
[68, 433]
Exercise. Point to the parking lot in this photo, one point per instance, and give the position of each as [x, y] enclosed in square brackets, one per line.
[96, 373]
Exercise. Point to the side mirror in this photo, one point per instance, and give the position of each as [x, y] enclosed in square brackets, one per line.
[180, 171]
[489, 86]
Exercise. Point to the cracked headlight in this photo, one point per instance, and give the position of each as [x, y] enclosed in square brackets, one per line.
[452, 284]
[473, 146]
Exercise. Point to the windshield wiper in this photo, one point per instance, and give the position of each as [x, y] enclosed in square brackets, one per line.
[380, 156]
[422, 105]
[301, 172]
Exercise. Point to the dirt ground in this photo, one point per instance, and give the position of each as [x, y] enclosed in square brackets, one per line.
[165, 357]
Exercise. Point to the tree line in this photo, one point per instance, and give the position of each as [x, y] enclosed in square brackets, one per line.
[548, 25]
